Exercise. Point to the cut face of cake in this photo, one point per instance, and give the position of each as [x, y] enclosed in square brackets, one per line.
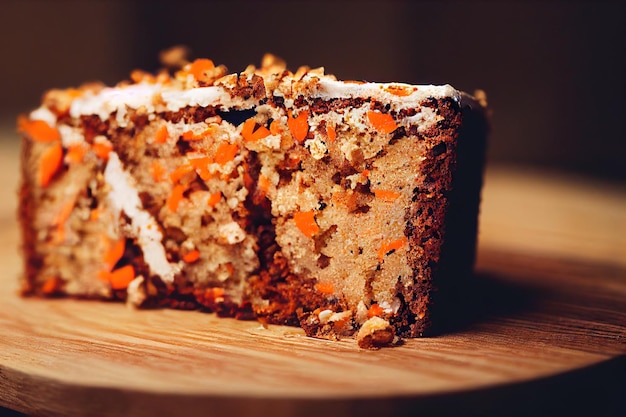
[293, 198]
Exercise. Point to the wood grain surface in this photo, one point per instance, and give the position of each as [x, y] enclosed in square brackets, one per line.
[548, 299]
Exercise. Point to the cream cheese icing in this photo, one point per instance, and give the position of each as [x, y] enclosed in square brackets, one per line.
[118, 99]
[124, 197]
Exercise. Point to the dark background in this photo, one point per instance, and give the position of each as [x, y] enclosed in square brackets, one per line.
[553, 71]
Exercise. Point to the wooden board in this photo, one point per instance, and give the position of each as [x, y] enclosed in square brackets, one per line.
[549, 298]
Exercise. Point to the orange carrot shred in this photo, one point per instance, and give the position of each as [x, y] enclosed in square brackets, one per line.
[263, 184]
[192, 256]
[114, 254]
[260, 133]
[305, 220]
[229, 267]
[275, 128]
[226, 152]
[388, 246]
[180, 172]
[387, 195]
[121, 277]
[76, 152]
[38, 130]
[214, 293]
[199, 67]
[250, 135]
[332, 133]
[51, 161]
[325, 287]
[102, 148]
[214, 199]
[374, 310]
[383, 122]
[157, 171]
[161, 134]
[299, 126]
[49, 286]
[201, 165]
[247, 129]
[400, 90]
[175, 198]
[365, 173]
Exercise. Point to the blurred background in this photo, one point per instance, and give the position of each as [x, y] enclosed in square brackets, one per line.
[554, 71]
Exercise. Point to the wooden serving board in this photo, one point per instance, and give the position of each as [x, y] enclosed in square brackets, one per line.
[549, 298]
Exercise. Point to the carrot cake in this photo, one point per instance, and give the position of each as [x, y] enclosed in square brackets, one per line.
[293, 198]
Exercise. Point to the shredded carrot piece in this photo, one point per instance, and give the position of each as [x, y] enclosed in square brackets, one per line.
[161, 134]
[114, 254]
[214, 199]
[331, 132]
[180, 172]
[190, 136]
[383, 122]
[192, 256]
[121, 277]
[260, 133]
[374, 310]
[157, 170]
[305, 220]
[38, 130]
[175, 198]
[214, 293]
[201, 165]
[247, 129]
[263, 184]
[325, 287]
[275, 128]
[226, 152]
[388, 246]
[365, 173]
[76, 152]
[400, 90]
[51, 285]
[199, 67]
[298, 126]
[51, 161]
[229, 267]
[102, 148]
[250, 135]
[387, 195]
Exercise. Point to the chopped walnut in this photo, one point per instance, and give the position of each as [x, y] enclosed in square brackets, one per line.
[375, 333]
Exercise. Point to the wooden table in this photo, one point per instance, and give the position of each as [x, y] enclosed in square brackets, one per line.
[544, 330]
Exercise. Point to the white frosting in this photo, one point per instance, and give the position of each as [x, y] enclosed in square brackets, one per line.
[202, 96]
[43, 113]
[328, 88]
[124, 197]
[70, 135]
[119, 99]
[110, 100]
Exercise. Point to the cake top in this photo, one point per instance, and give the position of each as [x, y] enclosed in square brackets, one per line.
[202, 83]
